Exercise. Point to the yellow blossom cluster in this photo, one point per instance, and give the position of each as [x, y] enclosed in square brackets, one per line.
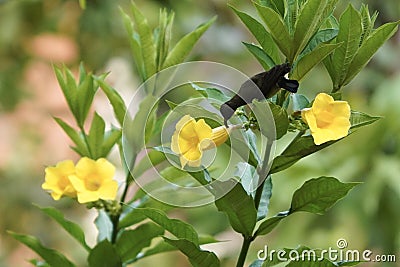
[88, 181]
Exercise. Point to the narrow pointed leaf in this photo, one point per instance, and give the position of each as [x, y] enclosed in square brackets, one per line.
[277, 29]
[320, 37]
[262, 57]
[72, 228]
[75, 137]
[135, 129]
[111, 138]
[263, 207]
[134, 41]
[238, 206]
[349, 34]
[196, 256]
[51, 256]
[260, 33]
[308, 23]
[96, 136]
[104, 254]
[186, 44]
[369, 48]
[148, 49]
[69, 90]
[310, 60]
[115, 99]
[85, 95]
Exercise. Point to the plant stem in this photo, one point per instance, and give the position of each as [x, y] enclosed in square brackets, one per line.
[115, 218]
[243, 252]
[262, 174]
[85, 138]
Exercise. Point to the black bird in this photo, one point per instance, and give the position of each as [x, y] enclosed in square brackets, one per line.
[268, 84]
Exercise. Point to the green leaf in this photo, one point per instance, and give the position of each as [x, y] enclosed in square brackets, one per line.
[310, 60]
[69, 89]
[281, 121]
[248, 177]
[186, 44]
[320, 37]
[134, 41]
[260, 33]
[297, 149]
[176, 227]
[262, 210]
[319, 194]
[81, 147]
[299, 102]
[96, 136]
[134, 129]
[162, 247]
[153, 158]
[163, 36]
[308, 23]
[131, 242]
[210, 92]
[358, 119]
[115, 99]
[111, 138]
[104, 226]
[85, 95]
[238, 206]
[51, 256]
[104, 254]
[262, 57]
[268, 225]
[349, 34]
[196, 256]
[252, 144]
[147, 47]
[72, 228]
[311, 263]
[277, 29]
[369, 48]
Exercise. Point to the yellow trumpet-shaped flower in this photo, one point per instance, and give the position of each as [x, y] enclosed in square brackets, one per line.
[327, 119]
[191, 137]
[93, 180]
[56, 180]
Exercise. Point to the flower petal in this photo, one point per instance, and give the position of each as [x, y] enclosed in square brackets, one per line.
[108, 190]
[203, 130]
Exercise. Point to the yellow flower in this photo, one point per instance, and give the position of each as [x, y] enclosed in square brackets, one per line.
[327, 119]
[93, 180]
[56, 180]
[191, 137]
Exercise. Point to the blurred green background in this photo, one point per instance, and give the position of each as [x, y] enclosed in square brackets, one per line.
[35, 34]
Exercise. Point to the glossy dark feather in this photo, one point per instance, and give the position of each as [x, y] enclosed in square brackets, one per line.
[268, 83]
